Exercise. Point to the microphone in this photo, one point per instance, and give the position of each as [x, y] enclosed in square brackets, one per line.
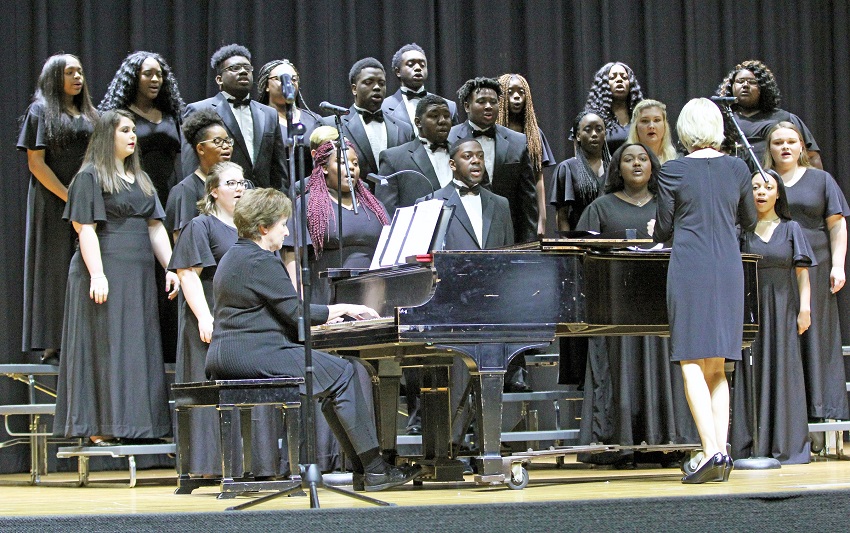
[375, 179]
[724, 100]
[335, 109]
[287, 88]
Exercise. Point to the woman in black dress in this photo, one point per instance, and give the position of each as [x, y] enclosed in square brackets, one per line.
[819, 206]
[631, 393]
[55, 133]
[784, 314]
[613, 96]
[111, 375]
[205, 131]
[516, 111]
[700, 198]
[255, 335]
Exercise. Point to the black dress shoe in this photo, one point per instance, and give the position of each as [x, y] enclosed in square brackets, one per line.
[414, 430]
[393, 477]
[517, 386]
[103, 443]
[728, 466]
[712, 470]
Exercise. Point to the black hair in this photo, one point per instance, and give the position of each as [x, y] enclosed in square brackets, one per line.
[124, 86]
[196, 125]
[427, 101]
[614, 180]
[458, 143]
[366, 62]
[412, 47]
[226, 52]
[769, 96]
[599, 98]
[588, 185]
[476, 84]
[783, 210]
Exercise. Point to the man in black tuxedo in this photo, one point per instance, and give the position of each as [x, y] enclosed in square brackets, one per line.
[369, 130]
[411, 68]
[428, 155]
[253, 127]
[505, 153]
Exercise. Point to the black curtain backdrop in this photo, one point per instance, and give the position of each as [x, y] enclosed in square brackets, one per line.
[679, 49]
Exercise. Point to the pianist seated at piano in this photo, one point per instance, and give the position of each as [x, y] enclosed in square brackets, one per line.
[360, 231]
[632, 392]
[255, 335]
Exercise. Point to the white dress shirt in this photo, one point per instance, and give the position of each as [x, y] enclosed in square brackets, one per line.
[472, 205]
[377, 134]
[440, 161]
[246, 123]
[489, 146]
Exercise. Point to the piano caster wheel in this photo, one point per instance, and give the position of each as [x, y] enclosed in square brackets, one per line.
[518, 479]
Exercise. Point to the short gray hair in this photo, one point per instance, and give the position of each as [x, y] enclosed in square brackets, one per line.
[700, 125]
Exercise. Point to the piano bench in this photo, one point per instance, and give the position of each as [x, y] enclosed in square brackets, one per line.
[227, 396]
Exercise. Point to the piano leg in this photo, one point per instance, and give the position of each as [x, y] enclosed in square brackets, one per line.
[386, 402]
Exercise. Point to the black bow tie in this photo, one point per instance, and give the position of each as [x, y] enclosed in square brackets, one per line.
[239, 103]
[412, 94]
[368, 116]
[435, 146]
[489, 132]
[463, 190]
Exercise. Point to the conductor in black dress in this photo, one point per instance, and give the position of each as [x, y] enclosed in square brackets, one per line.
[411, 68]
[366, 126]
[505, 154]
[427, 155]
[254, 128]
[700, 198]
[256, 314]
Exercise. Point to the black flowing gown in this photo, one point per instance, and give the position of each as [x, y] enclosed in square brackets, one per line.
[49, 239]
[182, 204]
[780, 387]
[111, 375]
[632, 392]
[813, 198]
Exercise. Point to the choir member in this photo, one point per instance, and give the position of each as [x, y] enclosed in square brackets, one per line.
[206, 133]
[819, 206]
[428, 155]
[254, 127]
[145, 85]
[632, 393]
[111, 375]
[784, 314]
[516, 111]
[580, 180]
[255, 335]
[269, 86]
[411, 68]
[55, 133]
[509, 171]
[705, 194]
[649, 126]
[613, 96]
[757, 110]
[369, 129]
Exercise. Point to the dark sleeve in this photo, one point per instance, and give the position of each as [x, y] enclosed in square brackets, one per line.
[180, 208]
[548, 157]
[591, 219]
[278, 175]
[562, 190]
[808, 138]
[272, 284]
[188, 157]
[289, 240]
[528, 196]
[835, 202]
[387, 194]
[747, 214]
[85, 200]
[508, 223]
[666, 199]
[33, 134]
[803, 254]
[193, 247]
[158, 213]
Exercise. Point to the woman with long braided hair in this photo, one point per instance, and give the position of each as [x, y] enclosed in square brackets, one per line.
[516, 111]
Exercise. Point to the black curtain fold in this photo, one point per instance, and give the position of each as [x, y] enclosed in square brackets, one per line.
[678, 49]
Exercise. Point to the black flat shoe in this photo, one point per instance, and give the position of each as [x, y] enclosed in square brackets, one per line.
[393, 477]
[103, 443]
[712, 470]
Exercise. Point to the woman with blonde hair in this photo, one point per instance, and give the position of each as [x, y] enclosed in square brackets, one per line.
[649, 126]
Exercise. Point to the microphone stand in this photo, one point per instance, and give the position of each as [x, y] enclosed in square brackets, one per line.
[342, 148]
[311, 474]
[752, 462]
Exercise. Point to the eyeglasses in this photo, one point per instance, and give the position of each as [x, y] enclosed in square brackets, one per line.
[218, 142]
[239, 184]
[751, 81]
[237, 68]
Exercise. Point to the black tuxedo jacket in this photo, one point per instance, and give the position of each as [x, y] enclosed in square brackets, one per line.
[397, 134]
[268, 169]
[512, 177]
[405, 189]
[496, 230]
[394, 105]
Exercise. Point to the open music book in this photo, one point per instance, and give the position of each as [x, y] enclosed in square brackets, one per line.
[414, 230]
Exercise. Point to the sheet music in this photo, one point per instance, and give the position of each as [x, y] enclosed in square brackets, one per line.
[421, 231]
[398, 232]
[382, 244]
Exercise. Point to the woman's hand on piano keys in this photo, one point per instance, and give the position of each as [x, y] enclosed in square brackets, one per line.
[357, 312]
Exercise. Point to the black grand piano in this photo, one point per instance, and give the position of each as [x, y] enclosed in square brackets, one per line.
[487, 307]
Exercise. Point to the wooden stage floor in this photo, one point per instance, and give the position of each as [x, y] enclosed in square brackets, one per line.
[154, 491]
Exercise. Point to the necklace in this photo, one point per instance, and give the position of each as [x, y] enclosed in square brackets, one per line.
[638, 202]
